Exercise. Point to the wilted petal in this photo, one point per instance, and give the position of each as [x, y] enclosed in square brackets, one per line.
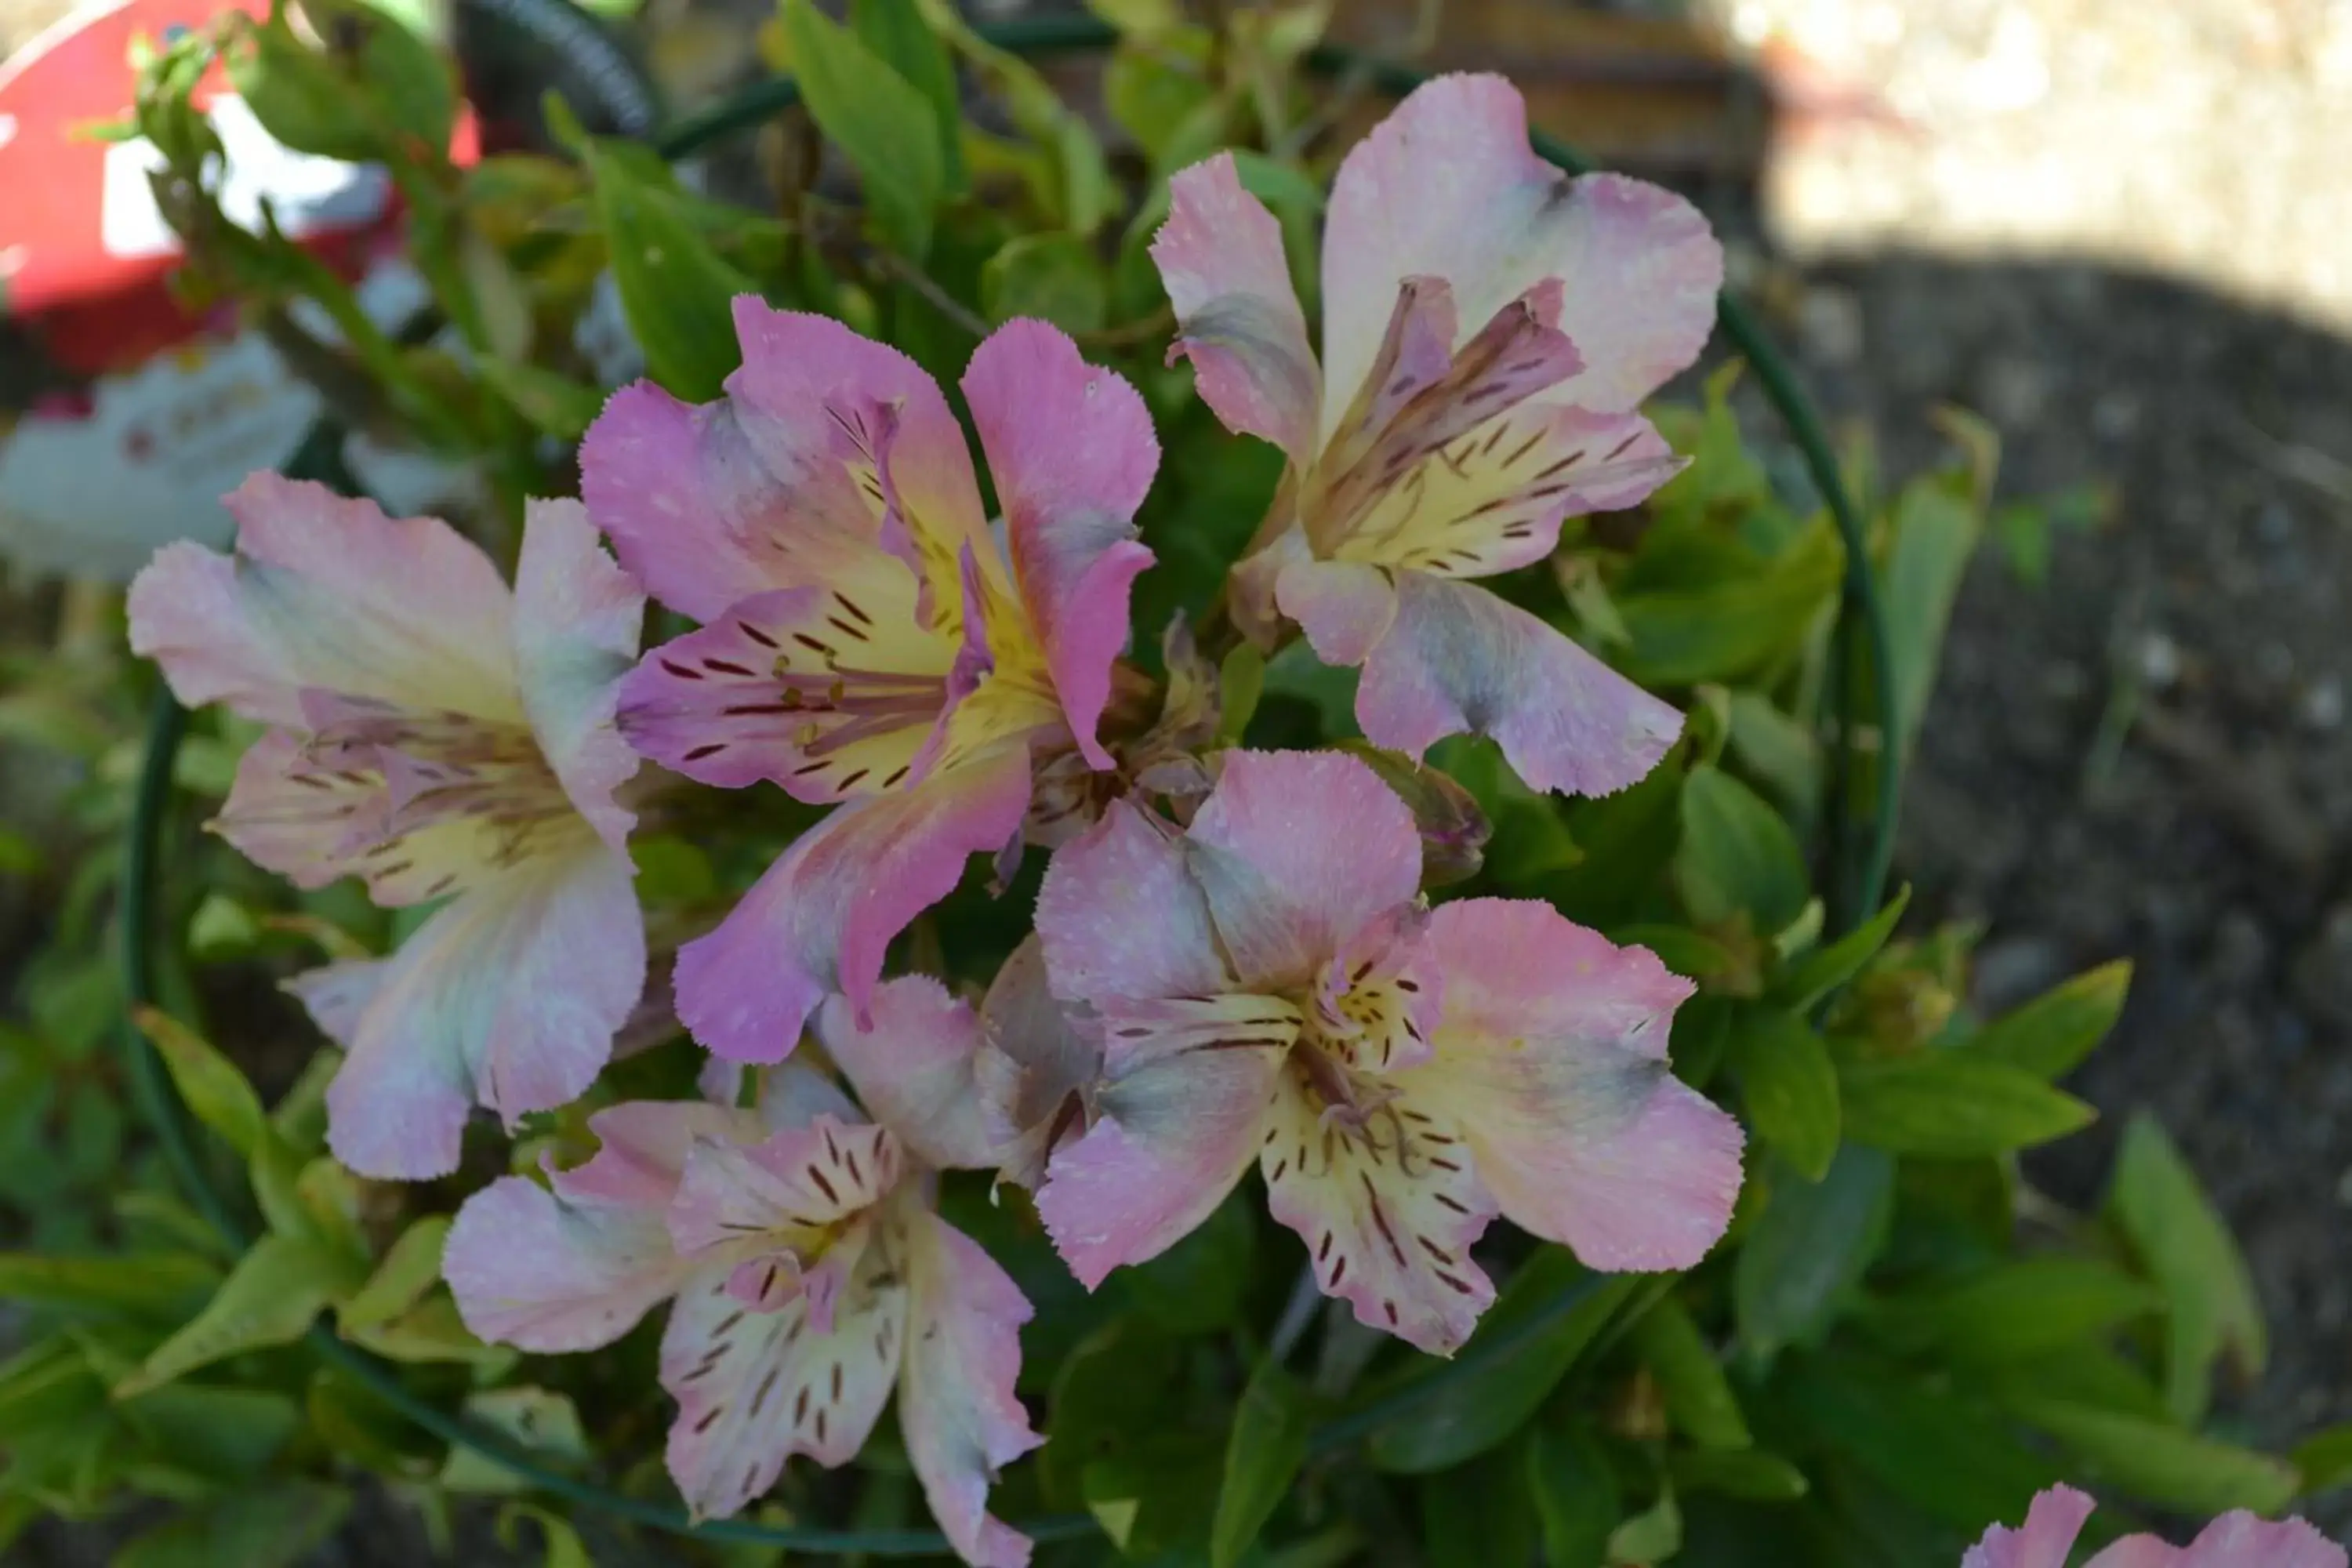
[2044, 1539]
[831, 692]
[1552, 1060]
[1071, 449]
[822, 916]
[755, 1388]
[1220, 257]
[1447, 186]
[1120, 916]
[1036, 1072]
[1296, 851]
[1388, 1211]
[1180, 1119]
[507, 997]
[912, 1068]
[577, 618]
[1459, 660]
[957, 1409]
[327, 592]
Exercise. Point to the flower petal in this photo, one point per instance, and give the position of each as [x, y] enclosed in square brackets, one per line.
[1550, 1057]
[1238, 321]
[2239, 1540]
[1448, 187]
[643, 1146]
[1459, 660]
[507, 998]
[327, 592]
[1345, 607]
[577, 619]
[1296, 851]
[2046, 1537]
[829, 692]
[840, 415]
[911, 1065]
[1120, 915]
[1174, 1134]
[1071, 448]
[822, 917]
[755, 1388]
[555, 1272]
[773, 1210]
[957, 1409]
[1036, 1072]
[1388, 1211]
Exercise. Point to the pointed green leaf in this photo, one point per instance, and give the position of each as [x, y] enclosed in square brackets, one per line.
[883, 124]
[1262, 1454]
[1953, 1104]
[1738, 855]
[1808, 1250]
[895, 30]
[2050, 1035]
[273, 1294]
[400, 1281]
[1824, 970]
[676, 291]
[2017, 1310]
[1789, 1088]
[2159, 1462]
[215, 1091]
[1699, 1401]
[1576, 1500]
[2187, 1248]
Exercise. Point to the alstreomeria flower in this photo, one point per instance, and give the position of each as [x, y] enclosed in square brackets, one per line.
[2236, 1539]
[438, 736]
[867, 640]
[1490, 328]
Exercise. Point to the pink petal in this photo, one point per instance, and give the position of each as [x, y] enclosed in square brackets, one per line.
[773, 1210]
[1296, 851]
[1220, 257]
[1387, 1232]
[794, 1094]
[1036, 1072]
[329, 592]
[820, 402]
[821, 917]
[755, 1388]
[957, 1409]
[2043, 1541]
[827, 693]
[1550, 1056]
[1345, 607]
[554, 1273]
[576, 623]
[1447, 186]
[912, 1068]
[507, 998]
[2239, 1540]
[643, 1146]
[1459, 660]
[1174, 1135]
[1071, 449]
[1120, 916]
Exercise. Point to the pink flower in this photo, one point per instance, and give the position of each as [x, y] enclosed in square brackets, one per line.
[1490, 328]
[1269, 987]
[2236, 1539]
[866, 638]
[810, 1270]
[439, 736]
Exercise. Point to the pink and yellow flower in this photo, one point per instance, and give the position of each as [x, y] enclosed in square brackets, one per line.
[810, 1271]
[1269, 987]
[2236, 1539]
[1490, 327]
[867, 640]
[440, 736]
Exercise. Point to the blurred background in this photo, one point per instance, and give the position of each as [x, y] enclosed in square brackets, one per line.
[2117, 231]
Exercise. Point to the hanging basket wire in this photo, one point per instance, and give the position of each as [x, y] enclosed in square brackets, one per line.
[1862, 853]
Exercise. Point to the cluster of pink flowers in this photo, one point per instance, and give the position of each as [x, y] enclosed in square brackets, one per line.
[1242, 971]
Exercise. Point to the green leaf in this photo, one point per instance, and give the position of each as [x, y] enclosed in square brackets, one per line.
[1475, 1409]
[1698, 1397]
[1055, 277]
[1936, 1451]
[883, 124]
[1480, 1512]
[1262, 1455]
[400, 1281]
[556, 405]
[208, 1081]
[1198, 1284]
[540, 1423]
[1953, 1104]
[221, 929]
[1241, 681]
[2185, 1248]
[2324, 1459]
[2017, 1310]
[2159, 1462]
[141, 1284]
[1754, 1474]
[1809, 1249]
[1650, 1536]
[1576, 1496]
[895, 30]
[1778, 751]
[1737, 855]
[1789, 1088]
[360, 102]
[2050, 1035]
[227, 1434]
[273, 1294]
[269, 1527]
[564, 1548]
[1685, 636]
[1935, 528]
[1824, 970]
[2087, 1373]
[676, 291]
[432, 1332]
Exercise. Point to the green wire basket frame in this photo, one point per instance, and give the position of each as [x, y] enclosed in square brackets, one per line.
[1860, 868]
